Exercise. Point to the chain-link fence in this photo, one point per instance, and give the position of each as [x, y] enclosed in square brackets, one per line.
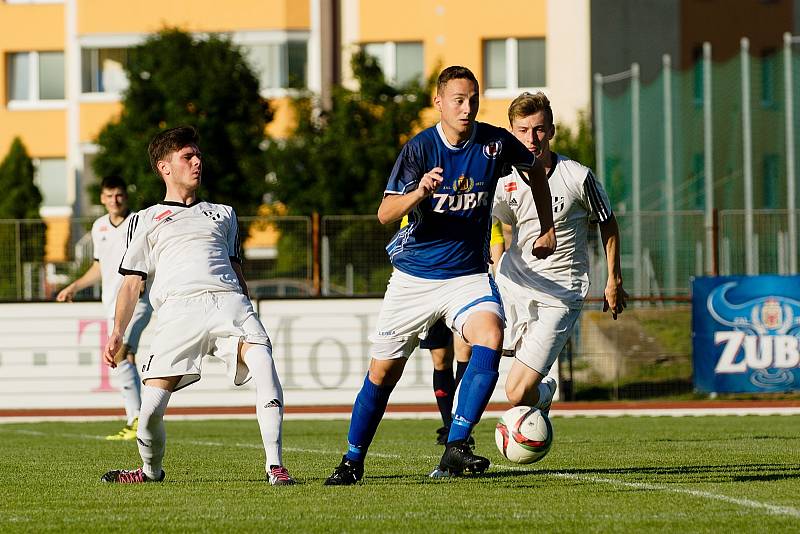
[22, 254]
[716, 136]
[353, 259]
[646, 353]
[345, 255]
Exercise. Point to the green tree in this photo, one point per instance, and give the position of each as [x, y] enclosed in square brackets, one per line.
[337, 161]
[20, 241]
[576, 143]
[21, 198]
[178, 79]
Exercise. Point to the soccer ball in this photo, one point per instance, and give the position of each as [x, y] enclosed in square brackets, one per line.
[524, 435]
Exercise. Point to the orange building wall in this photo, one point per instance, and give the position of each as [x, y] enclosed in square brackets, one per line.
[104, 16]
[44, 132]
[452, 33]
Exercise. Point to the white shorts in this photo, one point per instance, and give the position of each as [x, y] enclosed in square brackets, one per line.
[188, 328]
[535, 333]
[412, 305]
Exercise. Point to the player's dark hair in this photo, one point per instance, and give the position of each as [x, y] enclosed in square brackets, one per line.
[527, 104]
[169, 141]
[455, 73]
[113, 182]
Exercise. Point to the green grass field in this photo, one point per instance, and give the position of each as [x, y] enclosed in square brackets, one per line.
[692, 474]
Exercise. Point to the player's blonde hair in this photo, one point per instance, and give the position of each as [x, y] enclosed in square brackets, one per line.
[527, 104]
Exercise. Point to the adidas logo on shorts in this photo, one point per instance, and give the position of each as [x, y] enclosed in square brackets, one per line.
[274, 403]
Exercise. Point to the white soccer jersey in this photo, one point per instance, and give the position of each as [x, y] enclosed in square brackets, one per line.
[562, 279]
[186, 250]
[109, 244]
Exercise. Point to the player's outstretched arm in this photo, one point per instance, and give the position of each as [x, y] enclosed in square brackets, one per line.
[127, 298]
[395, 207]
[614, 294]
[89, 278]
[545, 244]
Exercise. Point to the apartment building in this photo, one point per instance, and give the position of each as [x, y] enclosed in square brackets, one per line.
[63, 76]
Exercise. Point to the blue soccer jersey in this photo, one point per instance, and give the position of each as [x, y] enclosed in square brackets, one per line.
[448, 233]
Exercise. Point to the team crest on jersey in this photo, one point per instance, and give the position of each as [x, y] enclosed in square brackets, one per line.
[558, 204]
[213, 215]
[463, 184]
[493, 148]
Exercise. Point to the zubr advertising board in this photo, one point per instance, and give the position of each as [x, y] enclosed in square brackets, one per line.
[745, 332]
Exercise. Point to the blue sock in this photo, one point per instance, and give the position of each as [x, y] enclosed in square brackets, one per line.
[475, 390]
[368, 411]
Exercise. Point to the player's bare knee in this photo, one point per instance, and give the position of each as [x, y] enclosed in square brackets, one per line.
[386, 372]
[490, 337]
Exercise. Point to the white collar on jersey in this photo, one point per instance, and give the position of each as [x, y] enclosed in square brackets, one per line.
[466, 143]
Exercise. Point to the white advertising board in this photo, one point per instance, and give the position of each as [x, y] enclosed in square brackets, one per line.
[50, 357]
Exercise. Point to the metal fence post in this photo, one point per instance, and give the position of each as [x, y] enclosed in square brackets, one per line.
[708, 157]
[669, 175]
[315, 252]
[636, 178]
[18, 251]
[788, 86]
[747, 158]
[599, 147]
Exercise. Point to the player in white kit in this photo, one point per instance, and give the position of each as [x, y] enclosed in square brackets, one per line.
[543, 297]
[109, 239]
[191, 251]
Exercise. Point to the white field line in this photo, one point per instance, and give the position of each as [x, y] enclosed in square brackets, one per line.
[745, 503]
[193, 442]
[433, 414]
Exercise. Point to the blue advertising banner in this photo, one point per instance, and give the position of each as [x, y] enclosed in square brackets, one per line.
[745, 332]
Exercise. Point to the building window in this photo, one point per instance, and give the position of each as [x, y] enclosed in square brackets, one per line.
[771, 181]
[51, 179]
[769, 73]
[514, 64]
[401, 63]
[697, 76]
[103, 70]
[279, 65]
[35, 77]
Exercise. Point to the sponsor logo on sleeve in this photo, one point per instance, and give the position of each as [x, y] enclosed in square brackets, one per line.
[163, 215]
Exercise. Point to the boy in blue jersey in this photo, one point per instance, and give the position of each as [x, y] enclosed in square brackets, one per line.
[444, 180]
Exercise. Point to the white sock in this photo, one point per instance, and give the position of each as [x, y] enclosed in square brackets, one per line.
[269, 400]
[131, 389]
[151, 435]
